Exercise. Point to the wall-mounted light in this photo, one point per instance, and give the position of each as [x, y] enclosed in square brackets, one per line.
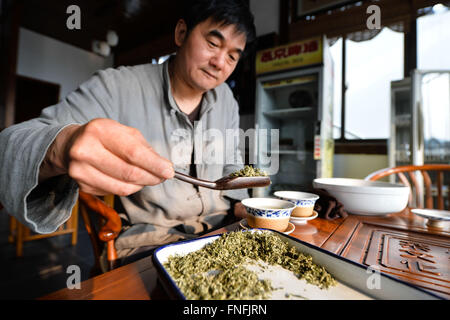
[439, 8]
[104, 47]
[101, 47]
[112, 38]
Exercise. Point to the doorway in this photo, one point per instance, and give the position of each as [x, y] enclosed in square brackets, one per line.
[33, 95]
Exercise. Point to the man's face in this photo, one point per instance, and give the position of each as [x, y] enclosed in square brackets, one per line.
[209, 54]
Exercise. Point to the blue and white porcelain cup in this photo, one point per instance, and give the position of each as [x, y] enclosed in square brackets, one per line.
[304, 202]
[268, 213]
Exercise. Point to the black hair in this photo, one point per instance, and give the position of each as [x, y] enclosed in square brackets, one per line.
[228, 12]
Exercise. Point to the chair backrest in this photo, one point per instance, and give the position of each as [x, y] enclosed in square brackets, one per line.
[421, 179]
[102, 223]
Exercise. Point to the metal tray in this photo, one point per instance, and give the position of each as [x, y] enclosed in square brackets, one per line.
[354, 280]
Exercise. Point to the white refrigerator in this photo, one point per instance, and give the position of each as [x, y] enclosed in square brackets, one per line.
[294, 114]
[420, 121]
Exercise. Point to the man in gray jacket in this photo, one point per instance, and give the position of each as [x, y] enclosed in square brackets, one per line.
[126, 130]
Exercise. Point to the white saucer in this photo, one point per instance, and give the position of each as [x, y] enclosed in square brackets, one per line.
[436, 218]
[303, 220]
[244, 225]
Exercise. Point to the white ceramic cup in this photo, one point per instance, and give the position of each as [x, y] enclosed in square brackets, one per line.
[304, 202]
[268, 213]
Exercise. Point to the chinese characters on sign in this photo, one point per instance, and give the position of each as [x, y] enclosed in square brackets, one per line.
[294, 49]
[293, 55]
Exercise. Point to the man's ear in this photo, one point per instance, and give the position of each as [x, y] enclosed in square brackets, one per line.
[180, 32]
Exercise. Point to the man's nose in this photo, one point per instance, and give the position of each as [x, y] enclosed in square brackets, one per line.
[218, 60]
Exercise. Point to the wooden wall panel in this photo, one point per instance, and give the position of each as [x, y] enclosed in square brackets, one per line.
[339, 23]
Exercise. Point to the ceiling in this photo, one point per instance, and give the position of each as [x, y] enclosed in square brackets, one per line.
[136, 22]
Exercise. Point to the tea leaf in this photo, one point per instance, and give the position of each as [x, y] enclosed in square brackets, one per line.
[217, 271]
[249, 171]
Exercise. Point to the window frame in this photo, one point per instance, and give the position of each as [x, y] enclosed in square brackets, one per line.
[409, 15]
[374, 146]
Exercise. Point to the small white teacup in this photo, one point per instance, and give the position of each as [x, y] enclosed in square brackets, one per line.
[303, 201]
[268, 213]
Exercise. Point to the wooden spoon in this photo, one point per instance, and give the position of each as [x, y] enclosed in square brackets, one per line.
[226, 183]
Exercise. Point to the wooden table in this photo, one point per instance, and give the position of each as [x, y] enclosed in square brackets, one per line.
[401, 245]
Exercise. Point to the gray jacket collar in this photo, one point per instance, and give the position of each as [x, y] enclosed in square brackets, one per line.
[208, 101]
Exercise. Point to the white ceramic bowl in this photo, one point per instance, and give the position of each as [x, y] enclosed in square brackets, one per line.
[366, 197]
[436, 218]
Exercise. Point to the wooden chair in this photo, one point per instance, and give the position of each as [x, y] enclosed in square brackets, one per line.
[419, 179]
[100, 232]
[19, 234]
[103, 225]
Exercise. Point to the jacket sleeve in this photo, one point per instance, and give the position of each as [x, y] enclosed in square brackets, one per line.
[44, 207]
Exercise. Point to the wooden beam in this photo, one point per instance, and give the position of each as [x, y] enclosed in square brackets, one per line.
[9, 36]
[339, 23]
[343, 88]
[374, 146]
[284, 18]
[410, 45]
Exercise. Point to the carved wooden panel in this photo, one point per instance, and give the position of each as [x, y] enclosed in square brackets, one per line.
[418, 257]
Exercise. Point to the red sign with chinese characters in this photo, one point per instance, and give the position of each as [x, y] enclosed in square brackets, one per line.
[293, 55]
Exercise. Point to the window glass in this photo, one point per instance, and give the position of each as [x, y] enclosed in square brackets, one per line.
[433, 40]
[370, 67]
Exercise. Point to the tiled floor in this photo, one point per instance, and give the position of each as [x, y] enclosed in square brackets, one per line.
[43, 267]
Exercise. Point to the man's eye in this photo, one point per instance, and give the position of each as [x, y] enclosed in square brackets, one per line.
[233, 58]
[212, 44]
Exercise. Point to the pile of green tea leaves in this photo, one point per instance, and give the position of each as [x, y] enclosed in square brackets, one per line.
[249, 171]
[217, 270]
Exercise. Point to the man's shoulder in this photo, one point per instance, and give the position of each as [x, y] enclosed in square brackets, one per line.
[130, 71]
[224, 93]
[224, 89]
[137, 76]
[226, 105]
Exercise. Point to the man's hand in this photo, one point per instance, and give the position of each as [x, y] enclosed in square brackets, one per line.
[239, 210]
[106, 157]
